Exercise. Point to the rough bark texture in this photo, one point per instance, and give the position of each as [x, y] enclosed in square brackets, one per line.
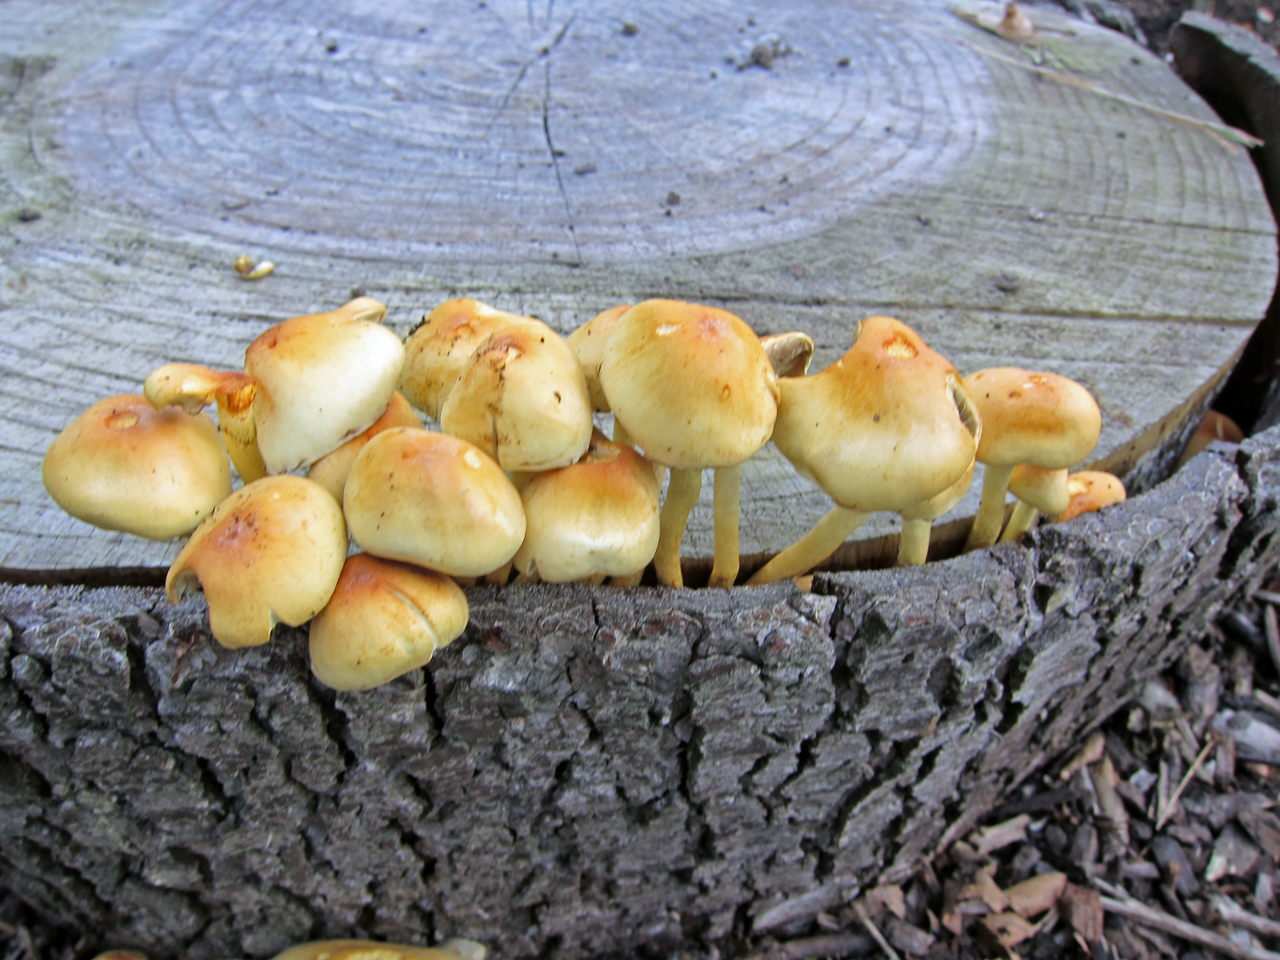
[588, 771]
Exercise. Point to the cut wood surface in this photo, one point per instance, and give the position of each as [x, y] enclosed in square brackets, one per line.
[589, 772]
[805, 164]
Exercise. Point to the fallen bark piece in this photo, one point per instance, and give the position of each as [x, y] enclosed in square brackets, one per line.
[907, 937]
[1175, 865]
[1264, 827]
[1255, 739]
[984, 888]
[1034, 896]
[1186, 931]
[1233, 855]
[989, 839]
[1082, 908]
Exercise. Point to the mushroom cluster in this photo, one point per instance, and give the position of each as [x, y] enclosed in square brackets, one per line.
[517, 481]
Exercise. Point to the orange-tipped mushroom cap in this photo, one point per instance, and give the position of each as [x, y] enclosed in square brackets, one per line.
[690, 383]
[888, 426]
[331, 470]
[437, 349]
[272, 551]
[596, 517]
[1045, 490]
[1028, 417]
[383, 620]
[124, 465]
[434, 500]
[1091, 490]
[323, 379]
[522, 399]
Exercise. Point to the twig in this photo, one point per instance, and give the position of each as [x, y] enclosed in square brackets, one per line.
[878, 937]
[844, 944]
[1267, 596]
[1182, 785]
[1273, 634]
[1236, 915]
[1266, 701]
[1186, 931]
[1225, 135]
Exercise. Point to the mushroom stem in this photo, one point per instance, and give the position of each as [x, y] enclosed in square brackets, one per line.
[629, 580]
[814, 547]
[990, 516]
[621, 436]
[682, 494]
[594, 580]
[728, 485]
[913, 545]
[1023, 519]
[499, 576]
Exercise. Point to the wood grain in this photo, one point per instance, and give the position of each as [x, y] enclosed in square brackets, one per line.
[532, 155]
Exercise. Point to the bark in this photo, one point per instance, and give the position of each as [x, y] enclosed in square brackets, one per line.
[588, 772]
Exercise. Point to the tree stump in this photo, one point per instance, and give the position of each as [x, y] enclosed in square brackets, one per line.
[593, 772]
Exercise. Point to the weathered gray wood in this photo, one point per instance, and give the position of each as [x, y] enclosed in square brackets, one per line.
[588, 772]
[433, 152]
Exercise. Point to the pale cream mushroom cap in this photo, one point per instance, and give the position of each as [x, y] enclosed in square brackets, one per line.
[1091, 490]
[690, 383]
[434, 500]
[362, 950]
[886, 427]
[1033, 417]
[124, 465]
[323, 379]
[522, 399]
[789, 353]
[193, 387]
[272, 551]
[587, 344]
[331, 470]
[437, 349]
[383, 620]
[598, 516]
[1045, 490]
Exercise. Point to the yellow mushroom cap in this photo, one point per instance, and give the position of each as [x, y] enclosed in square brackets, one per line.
[587, 344]
[331, 470]
[522, 399]
[437, 349]
[383, 620]
[1046, 490]
[272, 551]
[361, 950]
[433, 500]
[322, 378]
[1091, 490]
[597, 516]
[124, 465]
[1028, 417]
[690, 383]
[888, 426]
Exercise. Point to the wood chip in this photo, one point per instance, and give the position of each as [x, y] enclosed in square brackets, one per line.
[886, 897]
[1082, 908]
[984, 888]
[907, 938]
[1234, 854]
[1091, 752]
[989, 839]
[1008, 929]
[1114, 816]
[1231, 912]
[1183, 930]
[1036, 895]
[1264, 827]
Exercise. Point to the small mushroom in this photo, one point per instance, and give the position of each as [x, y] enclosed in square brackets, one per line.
[194, 387]
[433, 500]
[1038, 491]
[271, 552]
[1091, 490]
[694, 389]
[383, 620]
[370, 950]
[594, 518]
[124, 465]
[1213, 426]
[438, 348]
[1040, 418]
[888, 426]
[323, 378]
[331, 470]
[587, 344]
[521, 398]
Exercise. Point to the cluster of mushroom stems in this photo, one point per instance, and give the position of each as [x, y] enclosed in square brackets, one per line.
[518, 482]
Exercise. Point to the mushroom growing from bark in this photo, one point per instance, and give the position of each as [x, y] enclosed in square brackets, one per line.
[1038, 491]
[1039, 418]
[1091, 490]
[694, 389]
[521, 398]
[383, 620]
[433, 500]
[593, 519]
[124, 465]
[888, 426]
[271, 552]
[323, 378]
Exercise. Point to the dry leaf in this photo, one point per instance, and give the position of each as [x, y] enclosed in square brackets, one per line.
[984, 888]
[885, 897]
[1083, 909]
[1009, 929]
[989, 839]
